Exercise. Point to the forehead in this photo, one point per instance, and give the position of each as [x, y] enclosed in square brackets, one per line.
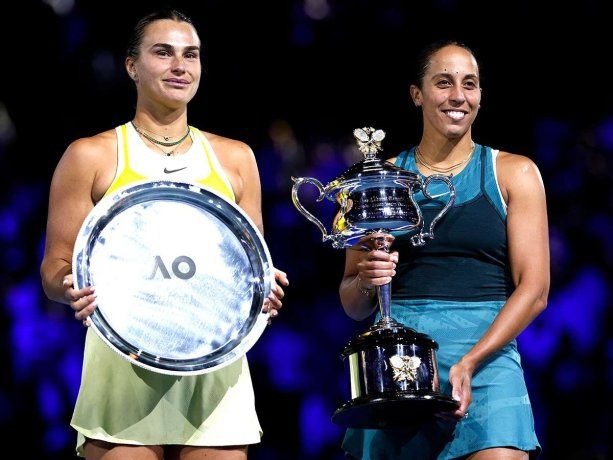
[175, 33]
[452, 60]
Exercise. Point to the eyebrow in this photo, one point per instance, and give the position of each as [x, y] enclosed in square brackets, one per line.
[170, 47]
[450, 76]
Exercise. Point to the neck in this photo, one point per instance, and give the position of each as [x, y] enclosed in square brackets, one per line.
[444, 151]
[170, 123]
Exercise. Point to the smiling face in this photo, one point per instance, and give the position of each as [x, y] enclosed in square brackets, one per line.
[449, 92]
[167, 69]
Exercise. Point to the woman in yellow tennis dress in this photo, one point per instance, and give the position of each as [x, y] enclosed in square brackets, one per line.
[124, 411]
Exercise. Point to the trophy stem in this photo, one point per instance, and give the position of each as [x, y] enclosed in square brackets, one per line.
[382, 241]
[384, 295]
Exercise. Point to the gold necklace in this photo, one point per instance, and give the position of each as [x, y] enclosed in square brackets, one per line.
[155, 141]
[169, 153]
[420, 159]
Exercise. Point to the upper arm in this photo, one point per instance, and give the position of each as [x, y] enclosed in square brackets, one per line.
[527, 230]
[250, 197]
[70, 200]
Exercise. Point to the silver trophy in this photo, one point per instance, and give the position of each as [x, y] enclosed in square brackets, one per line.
[393, 369]
[181, 275]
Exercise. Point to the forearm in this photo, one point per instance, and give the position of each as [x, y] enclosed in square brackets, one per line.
[52, 276]
[356, 304]
[519, 311]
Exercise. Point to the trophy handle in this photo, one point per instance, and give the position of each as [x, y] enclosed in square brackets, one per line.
[297, 183]
[418, 240]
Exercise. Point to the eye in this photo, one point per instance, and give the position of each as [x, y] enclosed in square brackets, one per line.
[470, 84]
[443, 83]
[191, 55]
[162, 53]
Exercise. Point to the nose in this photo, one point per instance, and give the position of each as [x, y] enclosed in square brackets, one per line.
[457, 96]
[178, 65]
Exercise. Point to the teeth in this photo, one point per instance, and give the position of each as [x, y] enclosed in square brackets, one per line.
[455, 115]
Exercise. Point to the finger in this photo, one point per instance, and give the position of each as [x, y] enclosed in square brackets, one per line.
[378, 272]
[378, 255]
[83, 302]
[76, 294]
[82, 314]
[463, 395]
[375, 265]
[367, 282]
[281, 277]
[274, 302]
[278, 292]
[67, 281]
[87, 322]
[266, 305]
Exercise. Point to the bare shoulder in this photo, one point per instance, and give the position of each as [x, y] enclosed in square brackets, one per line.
[89, 161]
[229, 150]
[92, 150]
[517, 171]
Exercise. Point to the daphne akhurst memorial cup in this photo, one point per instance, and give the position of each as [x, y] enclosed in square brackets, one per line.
[392, 368]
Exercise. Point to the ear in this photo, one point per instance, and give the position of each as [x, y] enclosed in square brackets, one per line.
[131, 68]
[416, 95]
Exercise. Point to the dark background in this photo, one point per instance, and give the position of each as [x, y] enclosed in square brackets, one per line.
[293, 79]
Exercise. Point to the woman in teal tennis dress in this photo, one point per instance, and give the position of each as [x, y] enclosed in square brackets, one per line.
[474, 287]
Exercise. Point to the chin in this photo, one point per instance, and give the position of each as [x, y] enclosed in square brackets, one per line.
[456, 132]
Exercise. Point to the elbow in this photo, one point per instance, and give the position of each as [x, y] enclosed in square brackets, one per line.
[45, 283]
[352, 308]
[541, 299]
[540, 305]
[354, 313]
[48, 280]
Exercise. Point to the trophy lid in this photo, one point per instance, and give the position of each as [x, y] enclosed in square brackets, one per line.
[371, 169]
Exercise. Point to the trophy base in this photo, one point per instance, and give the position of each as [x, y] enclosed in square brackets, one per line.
[397, 411]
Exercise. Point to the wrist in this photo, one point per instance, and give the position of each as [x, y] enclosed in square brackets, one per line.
[469, 362]
[368, 291]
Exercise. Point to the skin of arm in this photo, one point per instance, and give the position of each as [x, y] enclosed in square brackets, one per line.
[527, 234]
[73, 192]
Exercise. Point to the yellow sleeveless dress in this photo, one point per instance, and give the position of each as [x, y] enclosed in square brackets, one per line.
[125, 404]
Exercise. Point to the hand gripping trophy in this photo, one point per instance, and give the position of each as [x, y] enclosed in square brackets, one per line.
[393, 369]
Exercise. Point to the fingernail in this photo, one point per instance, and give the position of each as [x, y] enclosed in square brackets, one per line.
[92, 288]
[393, 272]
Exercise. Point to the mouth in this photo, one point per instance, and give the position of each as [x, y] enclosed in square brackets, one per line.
[455, 115]
[176, 82]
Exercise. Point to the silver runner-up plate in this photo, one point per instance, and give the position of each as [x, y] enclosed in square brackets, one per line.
[180, 273]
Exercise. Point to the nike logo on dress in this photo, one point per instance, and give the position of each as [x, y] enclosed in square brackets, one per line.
[170, 171]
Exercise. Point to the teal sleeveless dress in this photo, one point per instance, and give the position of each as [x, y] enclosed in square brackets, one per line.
[452, 289]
